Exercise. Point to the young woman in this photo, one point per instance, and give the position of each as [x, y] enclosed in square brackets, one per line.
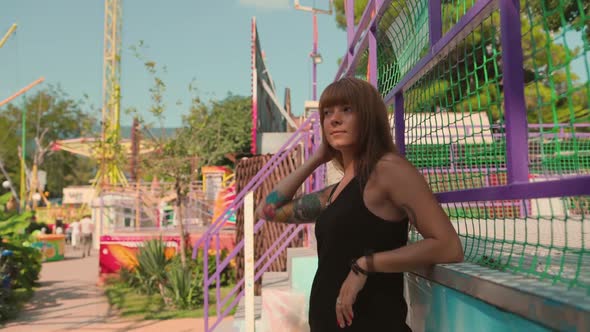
[362, 222]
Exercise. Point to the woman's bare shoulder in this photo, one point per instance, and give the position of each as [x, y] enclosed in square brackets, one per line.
[391, 161]
[394, 167]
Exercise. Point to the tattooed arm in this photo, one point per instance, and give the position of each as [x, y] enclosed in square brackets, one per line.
[300, 210]
[279, 206]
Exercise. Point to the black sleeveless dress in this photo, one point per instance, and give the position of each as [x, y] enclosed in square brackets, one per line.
[346, 229]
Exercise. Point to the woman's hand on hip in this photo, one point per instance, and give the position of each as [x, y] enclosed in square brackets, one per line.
[351, 286]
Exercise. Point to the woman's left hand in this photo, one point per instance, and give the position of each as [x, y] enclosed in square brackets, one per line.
[351, 286]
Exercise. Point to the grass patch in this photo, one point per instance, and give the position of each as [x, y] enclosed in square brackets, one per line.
[130, 303]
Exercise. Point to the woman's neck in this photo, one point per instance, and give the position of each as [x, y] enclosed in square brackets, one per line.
[348, 165]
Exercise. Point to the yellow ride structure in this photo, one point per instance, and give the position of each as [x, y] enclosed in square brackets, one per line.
[110, 150]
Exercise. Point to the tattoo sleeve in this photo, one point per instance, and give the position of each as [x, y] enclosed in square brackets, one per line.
[307, 208]
[273, 201]
[276, 198]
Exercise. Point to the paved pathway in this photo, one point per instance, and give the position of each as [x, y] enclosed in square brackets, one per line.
[69, 300]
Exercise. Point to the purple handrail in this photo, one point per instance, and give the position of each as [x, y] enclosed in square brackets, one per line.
[262, 258]
[261, 175]
[256, 276]
[302, 134]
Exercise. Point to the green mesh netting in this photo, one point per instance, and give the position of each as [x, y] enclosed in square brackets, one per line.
[452, 11]
[402, 39]
[455, 132]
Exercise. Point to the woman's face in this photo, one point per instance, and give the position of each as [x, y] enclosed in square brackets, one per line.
[340, 127]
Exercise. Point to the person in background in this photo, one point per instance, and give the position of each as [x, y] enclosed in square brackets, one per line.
[86, 228]
[59, 226]
[69, 235]
[75, 226]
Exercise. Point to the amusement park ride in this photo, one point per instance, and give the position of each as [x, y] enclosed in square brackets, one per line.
[23, 191]
[110, 150]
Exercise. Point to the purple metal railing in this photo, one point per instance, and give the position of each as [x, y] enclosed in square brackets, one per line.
[308, 135]
[218, 223]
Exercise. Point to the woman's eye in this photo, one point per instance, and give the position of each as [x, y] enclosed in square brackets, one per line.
[347, 109]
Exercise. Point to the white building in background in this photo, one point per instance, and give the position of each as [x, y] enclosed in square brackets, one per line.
[446, 128]
[78, 195]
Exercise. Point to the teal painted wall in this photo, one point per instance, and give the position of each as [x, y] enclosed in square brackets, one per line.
[303, 271]
[433, 307]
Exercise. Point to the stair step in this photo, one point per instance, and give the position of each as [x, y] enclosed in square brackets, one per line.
[275, 280]
[283, 310]
[241, 309]
[276, 288]
[270, 280]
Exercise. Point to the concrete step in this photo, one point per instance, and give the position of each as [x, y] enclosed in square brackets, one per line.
[239, 320]
[285, 295]
[275, 280]
[282, 308]
[270, 280]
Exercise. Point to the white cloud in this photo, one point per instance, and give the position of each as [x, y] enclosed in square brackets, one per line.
[267, 4]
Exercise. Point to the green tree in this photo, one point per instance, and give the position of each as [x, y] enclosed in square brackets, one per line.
[211, 131]
[558, 13]
[359, 8]
[52, 112]
[170, 160]
[221, 128]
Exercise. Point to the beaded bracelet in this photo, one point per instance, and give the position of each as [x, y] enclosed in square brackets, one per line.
[357, 269]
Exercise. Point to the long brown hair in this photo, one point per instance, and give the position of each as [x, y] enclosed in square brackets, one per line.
[374, 131]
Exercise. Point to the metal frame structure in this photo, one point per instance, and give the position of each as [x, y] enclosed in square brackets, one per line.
[23, 189]
[211, 238]
[110, 171]
[10, 31]
[109, 150]
[316, 58]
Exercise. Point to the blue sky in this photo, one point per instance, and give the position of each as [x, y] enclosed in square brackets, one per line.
[205, 40]
[208, 41]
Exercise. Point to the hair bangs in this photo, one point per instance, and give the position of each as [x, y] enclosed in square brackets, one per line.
[335, 94]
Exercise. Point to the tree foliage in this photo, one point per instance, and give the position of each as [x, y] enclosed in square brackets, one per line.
[53, 110]
[210, 131]
[218, 129]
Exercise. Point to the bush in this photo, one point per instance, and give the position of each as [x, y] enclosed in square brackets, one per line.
[23, 266]
[178, 286]
[152, 265]
[20, 264]
[185, 285]
[19, 272]
[228, 275]
[7, 307]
